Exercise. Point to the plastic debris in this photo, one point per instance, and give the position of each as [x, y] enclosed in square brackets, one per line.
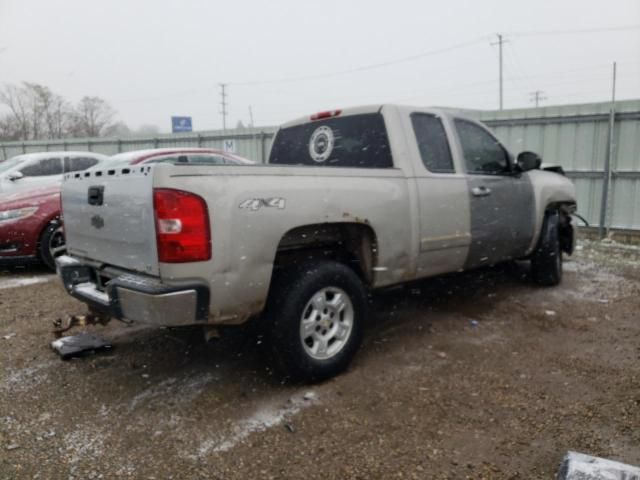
[308, 396]
[9, 336]
[578, 466]
[474, 323]
[78, 345]
[550, 313]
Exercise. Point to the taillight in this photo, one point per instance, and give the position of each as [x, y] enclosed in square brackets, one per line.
[182, 226]
[327, 114]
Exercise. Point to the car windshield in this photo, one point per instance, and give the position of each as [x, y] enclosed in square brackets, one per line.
[11, 163]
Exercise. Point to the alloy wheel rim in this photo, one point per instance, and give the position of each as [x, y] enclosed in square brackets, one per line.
[57, 244]
[326, 323]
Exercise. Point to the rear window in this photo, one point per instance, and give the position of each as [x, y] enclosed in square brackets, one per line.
[353, 141]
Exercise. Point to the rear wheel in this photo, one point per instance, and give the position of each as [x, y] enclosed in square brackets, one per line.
[546, 262]
[52, 244]
[316, 315]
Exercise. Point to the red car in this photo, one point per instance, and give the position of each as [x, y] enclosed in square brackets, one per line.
[30, 227]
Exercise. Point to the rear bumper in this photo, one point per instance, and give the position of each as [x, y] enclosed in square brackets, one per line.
[135, 297]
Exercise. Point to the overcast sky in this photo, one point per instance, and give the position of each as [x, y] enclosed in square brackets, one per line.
[152, 59]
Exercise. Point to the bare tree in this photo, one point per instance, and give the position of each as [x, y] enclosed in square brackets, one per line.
[18, 121]
[35, 112]
[91, 117]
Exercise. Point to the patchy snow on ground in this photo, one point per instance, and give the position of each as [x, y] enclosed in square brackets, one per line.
[264, 417]
[26, 378]
[15, 282]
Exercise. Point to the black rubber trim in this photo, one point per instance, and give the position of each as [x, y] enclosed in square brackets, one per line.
[11, 260]
[551, 221]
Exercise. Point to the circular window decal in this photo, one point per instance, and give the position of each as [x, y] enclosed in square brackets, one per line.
[321, 144]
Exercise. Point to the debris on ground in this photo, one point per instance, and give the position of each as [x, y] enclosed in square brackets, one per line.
[309, 396]
[78, 345]
[578, 466]
[9, 336]
[550, 313]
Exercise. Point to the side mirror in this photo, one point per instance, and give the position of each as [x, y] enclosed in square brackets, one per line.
[13, 176]
[528, 161]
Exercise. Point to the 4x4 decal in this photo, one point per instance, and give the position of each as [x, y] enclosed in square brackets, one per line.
[257, 203]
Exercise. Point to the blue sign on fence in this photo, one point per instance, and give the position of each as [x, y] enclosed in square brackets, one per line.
[181, 124]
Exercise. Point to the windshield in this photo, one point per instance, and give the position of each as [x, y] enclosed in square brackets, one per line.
[11, 163]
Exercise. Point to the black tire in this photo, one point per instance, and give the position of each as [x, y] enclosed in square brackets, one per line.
[546, 261]
[52, 244]
[290, 308]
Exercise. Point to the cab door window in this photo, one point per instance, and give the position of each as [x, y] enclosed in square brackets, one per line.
[483, 154]
[43, 168]
[432, 143]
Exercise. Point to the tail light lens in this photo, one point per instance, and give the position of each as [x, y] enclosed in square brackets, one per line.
[182, 226]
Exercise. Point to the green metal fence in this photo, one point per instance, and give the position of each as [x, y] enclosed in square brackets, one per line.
[574, 136]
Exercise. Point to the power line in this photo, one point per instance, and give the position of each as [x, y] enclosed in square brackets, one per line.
[574, 31]
[364, 68]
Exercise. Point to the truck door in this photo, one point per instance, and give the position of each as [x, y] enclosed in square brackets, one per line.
[501, 200]
[443, 204]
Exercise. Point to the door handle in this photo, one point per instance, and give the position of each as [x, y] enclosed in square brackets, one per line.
[481, 191]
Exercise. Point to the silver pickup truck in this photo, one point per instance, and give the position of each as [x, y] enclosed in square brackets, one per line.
[350, 201]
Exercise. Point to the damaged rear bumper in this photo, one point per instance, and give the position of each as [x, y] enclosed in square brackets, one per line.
[135, 297]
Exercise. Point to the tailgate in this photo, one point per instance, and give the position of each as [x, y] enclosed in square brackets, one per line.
[109, 217]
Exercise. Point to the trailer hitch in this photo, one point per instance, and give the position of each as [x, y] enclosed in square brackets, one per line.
[91, 318]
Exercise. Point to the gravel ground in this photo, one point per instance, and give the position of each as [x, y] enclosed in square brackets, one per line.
[474, 375]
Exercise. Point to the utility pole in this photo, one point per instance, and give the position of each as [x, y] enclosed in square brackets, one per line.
[250, 116]
[501, 41]
[537, 97]
[223, 104]
[603, 228]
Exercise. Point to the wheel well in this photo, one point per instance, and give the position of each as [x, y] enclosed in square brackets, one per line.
[353, 244]
[45, 225]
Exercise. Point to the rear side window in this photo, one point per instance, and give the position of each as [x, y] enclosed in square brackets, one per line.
[207, 159]
[43, 168]
[167, 159]
[75, 164]
[353, 141]
[432, 143]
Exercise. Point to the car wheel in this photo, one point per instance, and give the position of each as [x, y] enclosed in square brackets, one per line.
[52, 244]
[546, 262]
[316, 316]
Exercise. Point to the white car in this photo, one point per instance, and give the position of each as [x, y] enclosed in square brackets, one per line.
[35, 170]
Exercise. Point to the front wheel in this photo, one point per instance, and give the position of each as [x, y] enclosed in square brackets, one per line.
[316, 313]
[52, 244]
[546, 261]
